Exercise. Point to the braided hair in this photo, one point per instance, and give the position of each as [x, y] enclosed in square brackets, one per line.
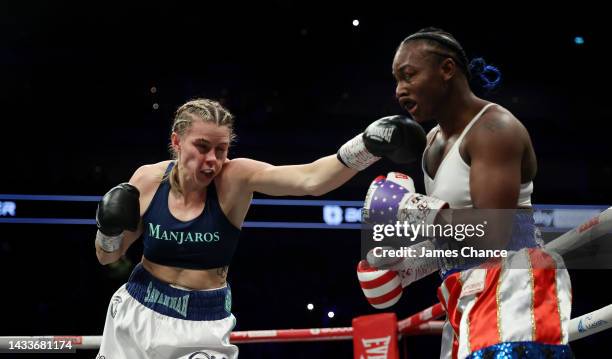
[444, 44]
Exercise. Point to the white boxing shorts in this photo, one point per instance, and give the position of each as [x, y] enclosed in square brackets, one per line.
[147, 318]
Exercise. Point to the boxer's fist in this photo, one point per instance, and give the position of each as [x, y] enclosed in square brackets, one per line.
[119, 210]
[393, 199]
[384, 197]
[409, 269]
[397, 138]
[381, 287]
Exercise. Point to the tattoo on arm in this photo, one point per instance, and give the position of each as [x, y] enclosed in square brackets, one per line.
[493, 124]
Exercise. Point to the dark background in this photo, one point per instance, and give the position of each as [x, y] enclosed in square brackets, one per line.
[77, 117]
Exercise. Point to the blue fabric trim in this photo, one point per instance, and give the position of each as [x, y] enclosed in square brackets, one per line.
[177, 303]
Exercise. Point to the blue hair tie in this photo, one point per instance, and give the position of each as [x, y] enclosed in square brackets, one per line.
[479, 68]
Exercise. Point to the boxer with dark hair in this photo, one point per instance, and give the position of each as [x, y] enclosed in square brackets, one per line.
[478, 156]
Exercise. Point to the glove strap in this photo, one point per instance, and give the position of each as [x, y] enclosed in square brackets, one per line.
[417, 208]
[353, 154]
[409, 269]
[109, 244]
[412, 269]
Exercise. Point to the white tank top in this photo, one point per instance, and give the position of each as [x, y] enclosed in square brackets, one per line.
[452, 180]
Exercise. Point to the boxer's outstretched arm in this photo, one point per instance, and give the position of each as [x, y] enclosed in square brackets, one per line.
[315, 179]
[395, 137]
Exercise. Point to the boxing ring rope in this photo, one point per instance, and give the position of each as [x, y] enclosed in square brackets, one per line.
[421, 323]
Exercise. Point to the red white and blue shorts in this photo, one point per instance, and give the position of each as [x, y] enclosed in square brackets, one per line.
[517, 307]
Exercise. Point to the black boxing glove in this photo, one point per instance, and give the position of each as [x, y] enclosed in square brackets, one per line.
[397, 138]
[118, 210]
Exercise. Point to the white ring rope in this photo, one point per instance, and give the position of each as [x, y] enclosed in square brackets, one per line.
[580, 327]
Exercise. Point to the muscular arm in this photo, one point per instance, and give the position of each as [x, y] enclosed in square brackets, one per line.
[496, 150]
[316, 178]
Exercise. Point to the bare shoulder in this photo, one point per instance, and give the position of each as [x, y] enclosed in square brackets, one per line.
[233, 188]
[498, 120]
[148, 177]
[242, 168]
[497, 133]
[498, 126]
